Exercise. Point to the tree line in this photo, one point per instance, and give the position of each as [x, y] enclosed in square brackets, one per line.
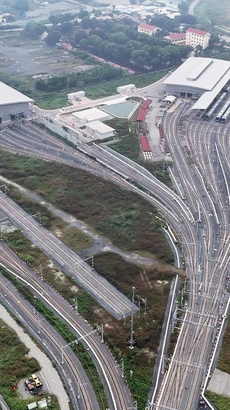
[123, 44]
[79, 80]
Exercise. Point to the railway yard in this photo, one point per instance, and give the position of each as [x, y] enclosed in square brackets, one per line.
[196, 221]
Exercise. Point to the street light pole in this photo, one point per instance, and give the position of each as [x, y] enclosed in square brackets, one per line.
[102, 333]
[122, 368]
[131, 334]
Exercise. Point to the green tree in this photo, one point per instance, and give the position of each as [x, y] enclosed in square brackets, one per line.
[84, 44]
[33, 29]
[80, 35]
[83, 13]
[66, 28]
[53, 38]
[21, 5]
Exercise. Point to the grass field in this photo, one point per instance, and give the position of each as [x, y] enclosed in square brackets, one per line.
[217, 13]
[53, 102]
[15, 365]
[220, 402]
[224, 358]
[59, 100]
[71, 236]
[151, 283]
[129, 221]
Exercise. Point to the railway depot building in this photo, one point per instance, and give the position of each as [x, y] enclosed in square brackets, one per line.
[13, 104]
[199, 78]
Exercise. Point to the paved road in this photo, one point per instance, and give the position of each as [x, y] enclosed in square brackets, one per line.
[192, 6]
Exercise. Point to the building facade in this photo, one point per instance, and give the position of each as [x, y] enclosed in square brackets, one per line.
[195, 37]
[176, 38]
[147, 29]
[13, 104]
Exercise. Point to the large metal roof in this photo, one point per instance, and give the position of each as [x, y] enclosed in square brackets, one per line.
[9, 95]
[207, 98]
[207, 74]
[198, 72]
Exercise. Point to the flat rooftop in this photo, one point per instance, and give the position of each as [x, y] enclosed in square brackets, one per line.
[91, 114]
[100, 127]
[9, 95]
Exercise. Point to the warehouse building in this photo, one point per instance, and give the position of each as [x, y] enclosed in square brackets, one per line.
[199, 78]
[13, 104]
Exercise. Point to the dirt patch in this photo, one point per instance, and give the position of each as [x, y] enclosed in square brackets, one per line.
[26, 58]
[58, 233]
[59, 276]
[74, 289]
[150, 355]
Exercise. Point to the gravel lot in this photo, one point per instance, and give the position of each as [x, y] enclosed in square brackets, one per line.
[26, 58]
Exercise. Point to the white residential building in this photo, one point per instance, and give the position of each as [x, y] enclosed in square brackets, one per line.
[147, 29]
[195, 37]
[176, 38]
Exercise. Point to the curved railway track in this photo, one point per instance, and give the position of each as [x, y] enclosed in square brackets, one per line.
[117, 391]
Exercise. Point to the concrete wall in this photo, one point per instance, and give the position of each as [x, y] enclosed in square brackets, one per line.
[13, 109]
[65, 132]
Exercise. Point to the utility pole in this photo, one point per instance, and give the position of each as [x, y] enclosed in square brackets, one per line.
[75, 341]
[131, 333]
[41, 272]
[122, 367]
[78, 389]
[102, 333]
[75, 304]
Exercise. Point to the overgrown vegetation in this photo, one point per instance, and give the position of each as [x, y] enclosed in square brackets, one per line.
[101, 90]
[224, 358]
[217, 15]
[79, 80]
[67, 334]
[14, 365]
[71, 236]
[129, 221]
[220, 402]
[151, 283]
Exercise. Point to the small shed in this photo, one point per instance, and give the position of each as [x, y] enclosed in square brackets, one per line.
[129, 88]
[169, 99]
[78, 96]
[91, 114]
[32, 406]
[42, 404]
[99, 130]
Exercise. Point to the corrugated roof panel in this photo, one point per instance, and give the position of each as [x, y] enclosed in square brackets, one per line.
[145, 144]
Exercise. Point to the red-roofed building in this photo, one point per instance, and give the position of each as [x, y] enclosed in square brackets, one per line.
[147, 29]
[144, 144]
[141, 116]
[176, 38]
[195, 37]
